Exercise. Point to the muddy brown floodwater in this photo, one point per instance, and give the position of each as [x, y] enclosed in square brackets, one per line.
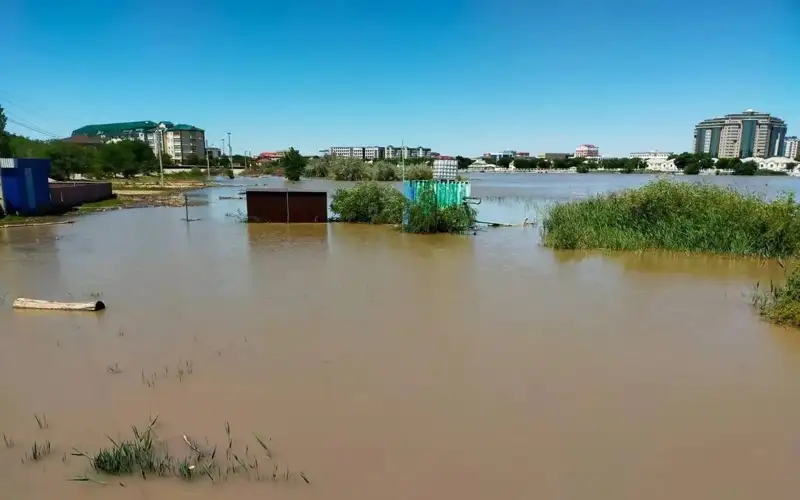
[390, 366]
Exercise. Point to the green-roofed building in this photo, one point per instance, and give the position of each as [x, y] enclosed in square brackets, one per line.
[178, 141]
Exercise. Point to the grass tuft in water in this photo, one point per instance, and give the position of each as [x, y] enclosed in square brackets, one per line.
[9, 442]
[142, 454]
[38, 452]
[677, 216]
[780, 303]
[41, 421]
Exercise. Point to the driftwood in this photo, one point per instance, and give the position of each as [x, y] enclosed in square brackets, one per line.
[31, 224]
[58, 306]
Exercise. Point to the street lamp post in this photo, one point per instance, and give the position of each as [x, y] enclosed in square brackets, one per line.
[161, 128]
[208, 164]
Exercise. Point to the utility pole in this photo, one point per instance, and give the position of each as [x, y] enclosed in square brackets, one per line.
[208, 165]
[161, 152]
[222, 153]
[403, 158]
[230, 150]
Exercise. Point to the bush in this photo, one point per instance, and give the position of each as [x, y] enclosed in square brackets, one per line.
[374, 203]
[426, 217]
[348, 169]
[419, 173]
[369, 202]
[679, 216]
[781, 303]
[383, 171]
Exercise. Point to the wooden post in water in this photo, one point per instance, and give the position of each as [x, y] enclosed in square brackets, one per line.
[186, 206]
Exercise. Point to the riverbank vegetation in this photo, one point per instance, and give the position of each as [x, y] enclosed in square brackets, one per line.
[374, 203]
[679, 216]
[780, 304]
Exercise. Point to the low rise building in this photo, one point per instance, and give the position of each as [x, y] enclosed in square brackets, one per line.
[587, 151]
[775, 164]
[652, 155]
[661, 165]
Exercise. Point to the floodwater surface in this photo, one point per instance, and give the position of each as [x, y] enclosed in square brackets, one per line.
[393, 366]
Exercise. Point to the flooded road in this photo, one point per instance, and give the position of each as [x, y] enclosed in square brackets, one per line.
[394, 366]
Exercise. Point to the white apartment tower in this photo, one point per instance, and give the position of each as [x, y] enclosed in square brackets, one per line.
[791, 147]
[741, 135]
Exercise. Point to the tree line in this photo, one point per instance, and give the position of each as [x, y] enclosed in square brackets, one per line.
[126, 158]
[693, 163]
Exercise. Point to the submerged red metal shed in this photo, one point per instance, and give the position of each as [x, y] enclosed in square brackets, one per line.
[281, 205]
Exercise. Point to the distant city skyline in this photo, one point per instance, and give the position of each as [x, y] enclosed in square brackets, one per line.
[452, 85]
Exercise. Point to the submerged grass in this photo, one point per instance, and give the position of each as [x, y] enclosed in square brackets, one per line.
[678, 216]
[780, 304]
[144, 455]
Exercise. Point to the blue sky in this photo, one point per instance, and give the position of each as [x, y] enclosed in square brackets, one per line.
[461, 77]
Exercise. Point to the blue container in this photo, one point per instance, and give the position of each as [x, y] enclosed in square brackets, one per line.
[25, 185]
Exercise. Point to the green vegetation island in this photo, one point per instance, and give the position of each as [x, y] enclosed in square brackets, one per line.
[688, 217]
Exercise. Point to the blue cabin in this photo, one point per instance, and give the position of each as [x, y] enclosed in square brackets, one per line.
[24, 186]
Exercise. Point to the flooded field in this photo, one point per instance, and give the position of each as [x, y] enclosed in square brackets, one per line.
[391, 366]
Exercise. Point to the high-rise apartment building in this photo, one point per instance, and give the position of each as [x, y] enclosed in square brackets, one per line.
[791, 147]
[741, 135]
[178, 141]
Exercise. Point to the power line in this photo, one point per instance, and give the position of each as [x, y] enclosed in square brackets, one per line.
[32, 128]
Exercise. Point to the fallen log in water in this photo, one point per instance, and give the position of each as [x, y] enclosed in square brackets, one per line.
[58, 306]
[32, 224]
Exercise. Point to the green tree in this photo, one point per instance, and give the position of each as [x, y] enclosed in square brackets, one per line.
[745, 168]
[705, 163]
[683, 159]
[504, 162]
[5, 147]
[166, 160]
[523, 163]
[115, 159]
[67, 159]
[691, 168]
[192, 159]
[463, 162]
[293, 164]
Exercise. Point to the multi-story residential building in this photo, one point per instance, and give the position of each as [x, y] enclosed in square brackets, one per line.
[408, 152]
[652, 155]
[178, 141]
[360, 152]
[378, 152]
[587, 151]
[791, 147]
[740, 135]
[182, 141]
